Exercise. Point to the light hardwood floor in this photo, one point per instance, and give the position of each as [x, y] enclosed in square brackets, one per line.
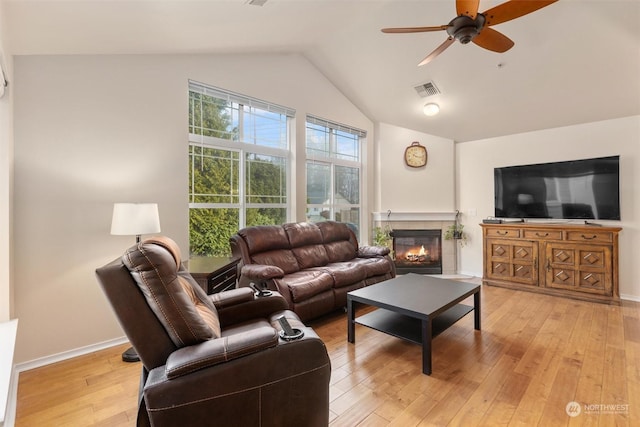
[534, 355]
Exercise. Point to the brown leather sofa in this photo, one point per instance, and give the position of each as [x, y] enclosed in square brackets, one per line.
[312, 265]
[213, 359]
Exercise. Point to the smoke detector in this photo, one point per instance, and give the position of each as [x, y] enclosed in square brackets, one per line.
[427, 89]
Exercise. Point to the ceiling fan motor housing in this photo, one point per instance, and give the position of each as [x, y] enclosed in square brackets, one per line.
[464, 29]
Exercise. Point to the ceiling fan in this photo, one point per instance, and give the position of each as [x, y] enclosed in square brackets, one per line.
[473, 26]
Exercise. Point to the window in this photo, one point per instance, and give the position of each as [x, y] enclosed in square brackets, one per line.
[238, 166]
[333, 172]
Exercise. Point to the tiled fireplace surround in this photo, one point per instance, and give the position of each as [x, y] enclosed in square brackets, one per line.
[422, 221]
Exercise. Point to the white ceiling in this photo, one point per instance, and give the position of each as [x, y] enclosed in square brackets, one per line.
[575, 61]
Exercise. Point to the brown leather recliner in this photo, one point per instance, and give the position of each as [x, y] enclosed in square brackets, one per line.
[213, 359]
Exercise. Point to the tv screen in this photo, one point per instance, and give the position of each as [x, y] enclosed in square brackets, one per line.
[578, 189]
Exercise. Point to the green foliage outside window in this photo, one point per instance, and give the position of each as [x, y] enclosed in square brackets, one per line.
[210, 229]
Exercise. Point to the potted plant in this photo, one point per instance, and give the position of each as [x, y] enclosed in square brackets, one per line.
[382, 236]
[455, 232]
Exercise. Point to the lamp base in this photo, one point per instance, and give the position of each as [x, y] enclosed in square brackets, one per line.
[130, 355]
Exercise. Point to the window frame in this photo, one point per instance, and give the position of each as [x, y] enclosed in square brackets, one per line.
[244, 150]
[332, 159]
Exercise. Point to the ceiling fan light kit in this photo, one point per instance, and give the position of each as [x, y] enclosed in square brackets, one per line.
[431, 109]
[471, 26]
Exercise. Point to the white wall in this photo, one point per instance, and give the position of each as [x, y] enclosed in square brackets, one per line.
[474, 181]
[94, 130]
[405, 189]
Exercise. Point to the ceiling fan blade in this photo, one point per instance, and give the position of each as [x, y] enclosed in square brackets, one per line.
[438, 51]
[513, 9]
[493, 40]
[467, 7]
[414, 29]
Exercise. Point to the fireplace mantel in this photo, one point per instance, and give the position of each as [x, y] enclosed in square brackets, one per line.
[414, 216]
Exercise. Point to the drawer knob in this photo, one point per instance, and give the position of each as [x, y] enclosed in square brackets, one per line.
[589, 238]
[502, 233]
[542, 234]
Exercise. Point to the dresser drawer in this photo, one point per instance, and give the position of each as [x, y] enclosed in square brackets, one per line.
[503, 232]
[542, 234]
[590, 236]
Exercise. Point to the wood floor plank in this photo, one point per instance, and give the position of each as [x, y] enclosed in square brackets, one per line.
[632, 353]
[486, 393]
[535, 353]
[449, 405]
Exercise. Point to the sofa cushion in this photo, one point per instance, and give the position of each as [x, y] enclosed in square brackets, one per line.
[310, 256]
[305, 284]
[374, 266]
[302, 234]
[185, 311]
[335, 231]
[373, 251]
[339, 241]
[345, 273]
[306, 243]
[340, 251]
[282, 258]
[262, 238]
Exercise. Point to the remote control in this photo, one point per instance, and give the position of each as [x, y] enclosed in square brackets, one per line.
[261, 291]
[286, 326]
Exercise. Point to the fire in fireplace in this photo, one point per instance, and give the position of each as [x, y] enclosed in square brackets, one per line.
[417, 251]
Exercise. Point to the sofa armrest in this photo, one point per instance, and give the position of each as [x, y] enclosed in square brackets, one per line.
[209, 353]
[260, 273]
[372, 251]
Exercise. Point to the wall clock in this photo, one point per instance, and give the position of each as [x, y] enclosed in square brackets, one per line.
[415, 155]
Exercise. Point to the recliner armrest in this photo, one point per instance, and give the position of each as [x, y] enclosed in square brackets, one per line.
[209, 353]
[250, 309]
[372, 251]
[232, 297]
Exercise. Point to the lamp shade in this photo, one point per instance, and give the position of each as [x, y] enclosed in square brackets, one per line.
[134, 219]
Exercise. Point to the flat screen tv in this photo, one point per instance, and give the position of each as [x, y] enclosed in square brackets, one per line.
[577, 189]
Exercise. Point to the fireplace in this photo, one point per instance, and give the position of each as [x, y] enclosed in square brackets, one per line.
[417, 251]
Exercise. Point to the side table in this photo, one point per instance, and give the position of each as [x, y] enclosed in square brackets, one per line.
[214, 274]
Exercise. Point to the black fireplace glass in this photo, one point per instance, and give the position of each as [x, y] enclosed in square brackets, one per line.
[417, 251]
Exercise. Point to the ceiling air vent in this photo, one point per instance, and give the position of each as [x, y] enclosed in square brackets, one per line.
[427, 89]
[256, 2]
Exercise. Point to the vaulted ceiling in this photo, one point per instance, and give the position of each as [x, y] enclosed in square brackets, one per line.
[574, 61]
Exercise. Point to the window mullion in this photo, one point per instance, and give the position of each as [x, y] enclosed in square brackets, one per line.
[241, 188]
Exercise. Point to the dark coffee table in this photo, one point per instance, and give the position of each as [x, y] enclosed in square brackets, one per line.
[415, 308]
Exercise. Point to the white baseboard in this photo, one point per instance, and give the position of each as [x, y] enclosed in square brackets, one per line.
[12, 399]
[630, 297]
[59, 357]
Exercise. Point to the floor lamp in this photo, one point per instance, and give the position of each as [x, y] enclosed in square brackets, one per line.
[134, 219]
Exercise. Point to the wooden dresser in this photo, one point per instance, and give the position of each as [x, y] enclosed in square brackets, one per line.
[576, 261]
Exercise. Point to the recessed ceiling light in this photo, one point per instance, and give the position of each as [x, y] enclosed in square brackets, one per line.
[431, 109]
